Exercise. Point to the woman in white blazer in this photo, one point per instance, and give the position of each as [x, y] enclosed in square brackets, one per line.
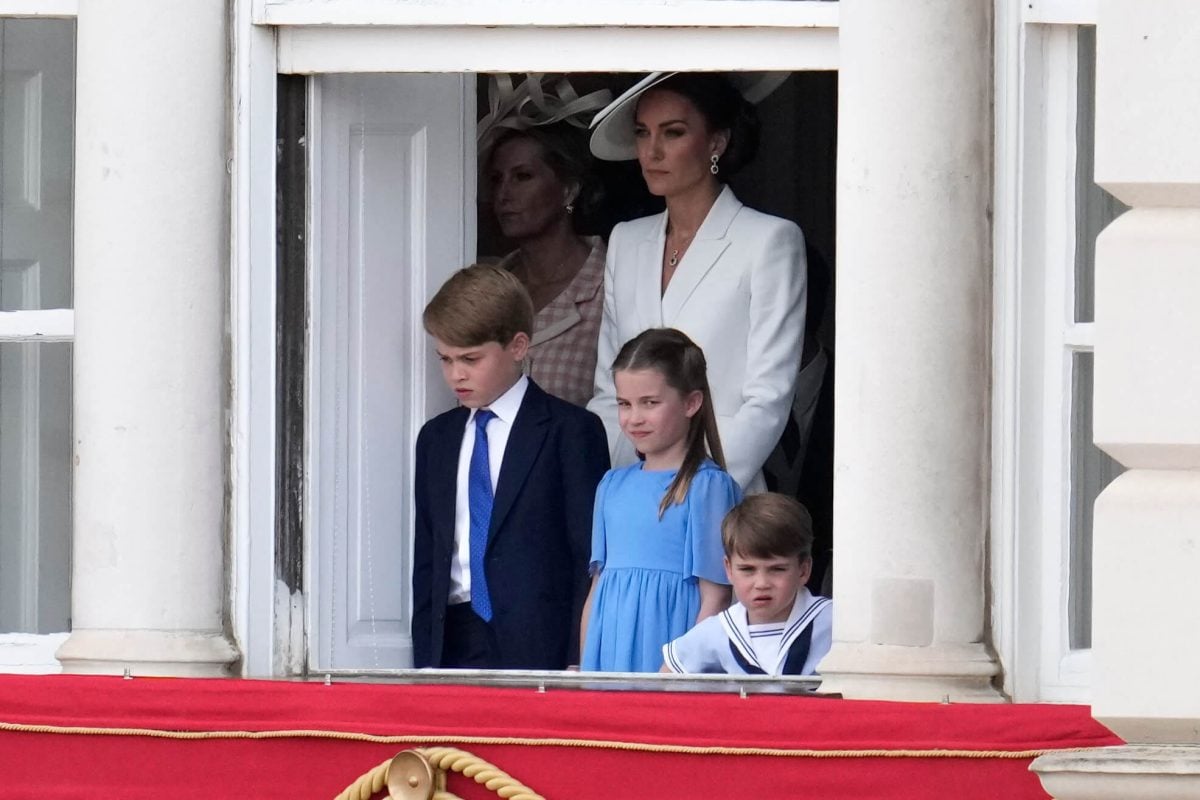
[731, 278]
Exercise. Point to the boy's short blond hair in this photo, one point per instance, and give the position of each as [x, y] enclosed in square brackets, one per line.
[479, 304]
[768, 525]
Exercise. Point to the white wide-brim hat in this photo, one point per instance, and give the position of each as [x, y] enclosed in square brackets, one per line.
[612, 127]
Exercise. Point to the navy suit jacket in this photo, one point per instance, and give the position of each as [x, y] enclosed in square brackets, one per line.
[540, 539]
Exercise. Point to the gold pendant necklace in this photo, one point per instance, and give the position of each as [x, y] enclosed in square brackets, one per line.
[683, 243]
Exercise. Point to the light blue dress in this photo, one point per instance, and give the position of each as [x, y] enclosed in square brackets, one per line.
[648, 592]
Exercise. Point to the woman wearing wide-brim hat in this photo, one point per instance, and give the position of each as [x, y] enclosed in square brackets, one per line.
[732, 278]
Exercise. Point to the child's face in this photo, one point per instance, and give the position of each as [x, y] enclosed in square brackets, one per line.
[654, 415]
[480, 374]
[767, 587]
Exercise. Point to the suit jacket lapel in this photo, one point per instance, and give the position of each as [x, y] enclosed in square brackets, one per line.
[524, 442]
[565, 324]
[444, 469]
[706, 248]
[586, 285]
[649, 276]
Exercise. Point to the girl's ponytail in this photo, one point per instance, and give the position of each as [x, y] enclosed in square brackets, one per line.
[681, 363]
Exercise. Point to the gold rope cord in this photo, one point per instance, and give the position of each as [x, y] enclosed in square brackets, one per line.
[444, 759]
[367, 785]
[594, 744]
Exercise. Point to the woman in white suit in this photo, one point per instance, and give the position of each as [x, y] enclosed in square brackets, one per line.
[731, 278]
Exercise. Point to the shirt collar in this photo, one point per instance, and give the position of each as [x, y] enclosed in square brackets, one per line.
[506, 406]
[736, 621]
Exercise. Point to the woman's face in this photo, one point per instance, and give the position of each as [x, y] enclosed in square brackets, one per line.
[674, 145]
[528, 198]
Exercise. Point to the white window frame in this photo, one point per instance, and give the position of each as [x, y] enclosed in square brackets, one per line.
[551, 35]
[543, 14]
[1034, 337]
[39, 8]
[267, 618]
[29, 652]
[306, 37]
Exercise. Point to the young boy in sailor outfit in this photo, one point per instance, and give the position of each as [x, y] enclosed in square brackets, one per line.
[777, 627]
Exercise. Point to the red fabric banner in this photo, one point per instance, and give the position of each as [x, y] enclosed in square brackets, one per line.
[562, 743]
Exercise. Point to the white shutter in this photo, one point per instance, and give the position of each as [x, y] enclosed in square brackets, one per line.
[394, 193]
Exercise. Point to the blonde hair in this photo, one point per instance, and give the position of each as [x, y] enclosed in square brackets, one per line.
[680, 361]
[479, 304]
[768, 525]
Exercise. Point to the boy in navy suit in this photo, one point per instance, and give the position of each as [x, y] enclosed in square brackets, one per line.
[504, 491]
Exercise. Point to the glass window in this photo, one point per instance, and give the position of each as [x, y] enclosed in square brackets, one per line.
[1090, 468]
[37, 115]
[37, 110]
[1094, 207]
[35, 486]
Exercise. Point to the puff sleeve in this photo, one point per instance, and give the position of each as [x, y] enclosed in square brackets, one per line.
[713, 492]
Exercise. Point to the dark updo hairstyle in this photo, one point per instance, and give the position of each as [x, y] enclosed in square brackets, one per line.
[723, 108]
[564, 149]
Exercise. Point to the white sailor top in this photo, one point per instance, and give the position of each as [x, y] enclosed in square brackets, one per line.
[726, 643]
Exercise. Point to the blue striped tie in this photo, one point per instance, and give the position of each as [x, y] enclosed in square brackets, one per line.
[479, 500]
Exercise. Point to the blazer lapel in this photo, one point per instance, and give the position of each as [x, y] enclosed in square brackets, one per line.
[444, 469]
[698, 260]
[649, 277]
[562, 326]
[584, 288]
[524, 442]
[706, 248]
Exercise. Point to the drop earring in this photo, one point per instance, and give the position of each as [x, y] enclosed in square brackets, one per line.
[714, 169]
[570, 208]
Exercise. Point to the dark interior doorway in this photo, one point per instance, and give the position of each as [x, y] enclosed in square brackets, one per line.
[794, 176]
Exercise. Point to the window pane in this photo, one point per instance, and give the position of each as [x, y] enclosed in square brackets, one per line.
[1091, 471]
[37, 123]
[35, 487]
[1094, 207]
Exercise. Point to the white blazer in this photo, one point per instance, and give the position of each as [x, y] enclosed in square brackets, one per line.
[740, 293]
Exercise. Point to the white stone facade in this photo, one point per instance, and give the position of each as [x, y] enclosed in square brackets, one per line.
[1147, 385]
[174, 329]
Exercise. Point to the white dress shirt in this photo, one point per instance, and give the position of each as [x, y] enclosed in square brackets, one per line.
[505, 408]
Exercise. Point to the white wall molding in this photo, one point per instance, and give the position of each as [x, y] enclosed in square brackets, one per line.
[1005, 565]
[1060, 12]
[552, 13]
[316, 49]
[39, 8]
[252, 318]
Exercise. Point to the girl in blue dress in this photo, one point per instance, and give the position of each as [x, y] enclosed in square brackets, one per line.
[656, 538]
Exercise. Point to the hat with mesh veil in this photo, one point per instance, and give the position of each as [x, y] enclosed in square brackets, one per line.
[612, 127]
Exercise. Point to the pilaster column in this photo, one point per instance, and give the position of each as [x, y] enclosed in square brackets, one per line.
[151, 378]
[913, 321]
[1146, 540]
